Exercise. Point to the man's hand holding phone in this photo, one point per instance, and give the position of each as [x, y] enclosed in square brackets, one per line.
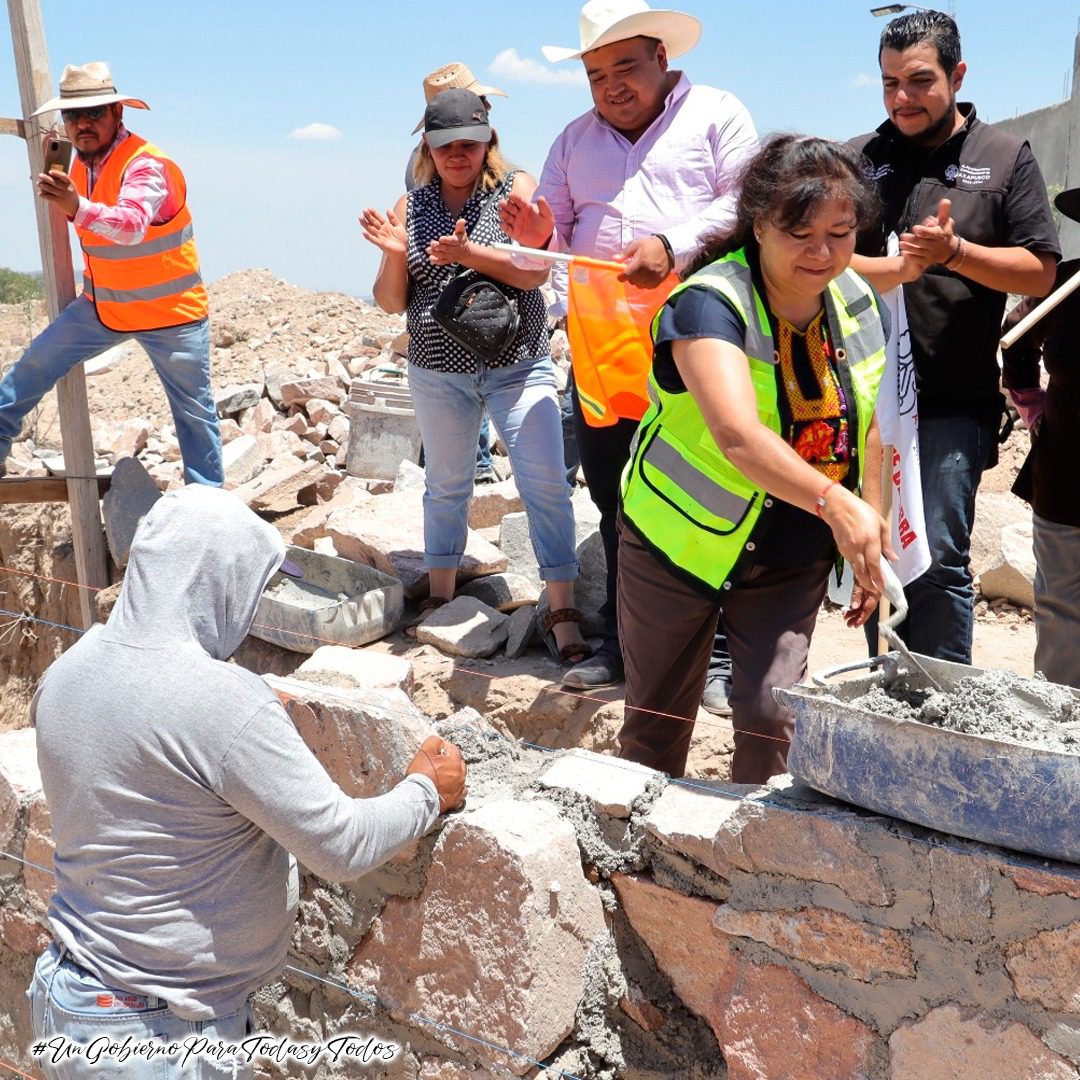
[54, 184]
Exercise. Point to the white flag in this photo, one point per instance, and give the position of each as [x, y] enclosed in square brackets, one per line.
[898, 419]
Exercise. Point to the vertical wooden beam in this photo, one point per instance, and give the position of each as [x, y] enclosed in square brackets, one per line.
[35, 87]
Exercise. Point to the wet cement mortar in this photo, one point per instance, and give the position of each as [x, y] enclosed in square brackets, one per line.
[996, 704]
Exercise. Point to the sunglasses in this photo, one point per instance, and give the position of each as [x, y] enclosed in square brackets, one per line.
[72, 116]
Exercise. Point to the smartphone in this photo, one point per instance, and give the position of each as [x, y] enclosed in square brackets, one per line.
[57, 155]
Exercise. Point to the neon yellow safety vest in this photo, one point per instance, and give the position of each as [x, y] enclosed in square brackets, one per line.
[680, 494]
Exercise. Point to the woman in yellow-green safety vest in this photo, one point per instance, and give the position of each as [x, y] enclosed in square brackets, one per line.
[758, 461]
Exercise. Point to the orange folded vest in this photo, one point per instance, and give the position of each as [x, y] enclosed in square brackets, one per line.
[608, 322]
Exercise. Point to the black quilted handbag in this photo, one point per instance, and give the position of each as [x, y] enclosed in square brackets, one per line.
[477, 314]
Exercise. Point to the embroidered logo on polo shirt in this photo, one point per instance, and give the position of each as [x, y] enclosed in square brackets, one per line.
[878, 172]
[968, 174]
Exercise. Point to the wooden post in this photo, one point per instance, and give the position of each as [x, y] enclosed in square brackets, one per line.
[35, 87]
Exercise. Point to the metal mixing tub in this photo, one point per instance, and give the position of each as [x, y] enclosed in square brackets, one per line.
[1017, 796]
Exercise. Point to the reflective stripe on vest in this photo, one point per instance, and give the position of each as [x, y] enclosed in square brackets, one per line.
[154, 283]
[682, 496]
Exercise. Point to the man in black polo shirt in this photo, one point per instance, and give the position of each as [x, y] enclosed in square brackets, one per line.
[971, 210]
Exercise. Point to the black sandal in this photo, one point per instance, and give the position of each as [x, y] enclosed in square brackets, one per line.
[575, 651]
[427, 606]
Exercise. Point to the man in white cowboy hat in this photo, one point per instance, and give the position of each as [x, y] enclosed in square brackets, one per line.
[644, 177]
[128, 202]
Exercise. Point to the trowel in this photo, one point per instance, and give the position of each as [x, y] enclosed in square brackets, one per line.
[894, 593]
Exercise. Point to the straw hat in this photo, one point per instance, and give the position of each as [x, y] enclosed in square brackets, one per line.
[86, 86]
[455, 76]
[603, 22]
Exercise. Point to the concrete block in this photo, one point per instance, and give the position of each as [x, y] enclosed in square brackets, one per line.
[365, 738]
[350, 669]
[131, 494]
[504, 894]
[504, 592]
[465, 627]
[242, 460]
[950, 1043]
[236, 397]
[610, 784]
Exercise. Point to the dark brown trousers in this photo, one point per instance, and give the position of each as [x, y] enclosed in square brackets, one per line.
[666, 630]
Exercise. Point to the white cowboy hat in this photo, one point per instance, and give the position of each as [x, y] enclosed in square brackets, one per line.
[603, 22]
[455, 76]
[86, 86]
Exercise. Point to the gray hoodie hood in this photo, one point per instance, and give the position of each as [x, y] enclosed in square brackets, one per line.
[198, 565]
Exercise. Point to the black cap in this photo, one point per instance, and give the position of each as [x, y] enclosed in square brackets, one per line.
[456, 114]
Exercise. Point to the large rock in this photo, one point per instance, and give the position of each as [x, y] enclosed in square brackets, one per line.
[825, 939]
[365, 739]
[516, 544]
[950, 1043]
[128, 438]
[131, 493]
[237, 397]
[1011, 574]
[242, 460]
[520, 629]
[356, 669]
[297, 391]
[496, 943]
[490, 503]
[994, 511]
[278, 488]
[312, 526]
[1045, 968]
[388, 533]
[20, 784]
[465, 627]
[610, 784]
[504, 592]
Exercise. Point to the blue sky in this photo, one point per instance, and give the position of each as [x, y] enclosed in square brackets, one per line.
[230, 80]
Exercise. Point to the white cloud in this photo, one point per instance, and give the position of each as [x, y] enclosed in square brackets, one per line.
[862, 79]
[317, 132]
[512, 67]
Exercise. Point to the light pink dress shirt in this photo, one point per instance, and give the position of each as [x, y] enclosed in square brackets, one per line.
[680, 178]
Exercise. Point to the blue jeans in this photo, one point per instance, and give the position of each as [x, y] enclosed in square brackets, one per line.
[953, 452]
[180, 355]
[524, 407]
[67, 1001]
[483, 445]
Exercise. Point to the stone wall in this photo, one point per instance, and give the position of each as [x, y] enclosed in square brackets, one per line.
[589, 915]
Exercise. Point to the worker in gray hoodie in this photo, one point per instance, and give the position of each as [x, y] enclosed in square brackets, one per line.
[177, 787]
